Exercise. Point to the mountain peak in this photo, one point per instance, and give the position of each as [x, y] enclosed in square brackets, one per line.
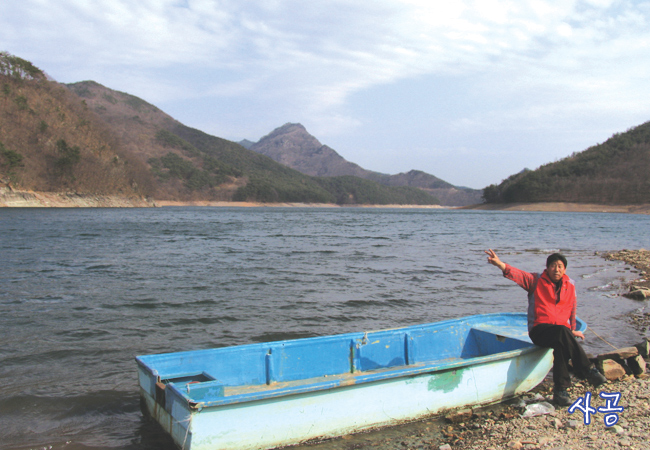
[292, 145]
[295, 131]
[290, 125]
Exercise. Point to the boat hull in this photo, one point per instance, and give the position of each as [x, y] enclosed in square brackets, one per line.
[290, 420]
[262, 396]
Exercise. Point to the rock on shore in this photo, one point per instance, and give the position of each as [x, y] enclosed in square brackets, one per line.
[639, 289]
[502, 426]
[640, 260]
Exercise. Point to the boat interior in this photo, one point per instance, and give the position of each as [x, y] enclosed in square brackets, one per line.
[249, 372]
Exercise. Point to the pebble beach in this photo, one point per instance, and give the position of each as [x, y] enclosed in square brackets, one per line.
[561, 429]
[506, 426]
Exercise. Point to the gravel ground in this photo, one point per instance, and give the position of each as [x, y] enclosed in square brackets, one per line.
[561, 429]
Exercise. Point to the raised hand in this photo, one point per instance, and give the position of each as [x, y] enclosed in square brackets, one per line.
[494, 259]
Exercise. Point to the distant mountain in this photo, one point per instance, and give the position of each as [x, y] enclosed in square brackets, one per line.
[448, 194]
[614, 172]
[246, 144]
[294, 147]
[188, 164]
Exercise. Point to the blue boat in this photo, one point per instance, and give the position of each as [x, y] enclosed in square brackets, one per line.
[262, 396]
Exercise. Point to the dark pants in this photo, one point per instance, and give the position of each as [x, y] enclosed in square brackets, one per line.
[565, 347]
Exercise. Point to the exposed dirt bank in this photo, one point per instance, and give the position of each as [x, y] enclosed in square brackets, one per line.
[296, 205]
[29, 199]
[564, 207]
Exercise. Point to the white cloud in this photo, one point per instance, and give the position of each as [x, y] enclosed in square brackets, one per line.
[336, 48]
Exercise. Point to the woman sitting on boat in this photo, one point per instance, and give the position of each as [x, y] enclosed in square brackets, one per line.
[552, 320]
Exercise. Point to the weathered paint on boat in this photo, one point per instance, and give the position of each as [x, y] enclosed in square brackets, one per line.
[262, 396]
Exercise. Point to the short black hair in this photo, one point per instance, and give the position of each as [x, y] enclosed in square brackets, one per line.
[556, 257]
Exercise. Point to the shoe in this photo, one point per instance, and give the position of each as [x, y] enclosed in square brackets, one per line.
[595, 377]
[561, 397]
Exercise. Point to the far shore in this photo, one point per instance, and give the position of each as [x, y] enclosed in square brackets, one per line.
[31, 199]
[563, 207]
[164, 203]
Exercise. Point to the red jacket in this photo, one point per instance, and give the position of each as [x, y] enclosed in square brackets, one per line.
[544, 305]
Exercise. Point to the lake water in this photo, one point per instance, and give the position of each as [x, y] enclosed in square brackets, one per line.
[83, 291]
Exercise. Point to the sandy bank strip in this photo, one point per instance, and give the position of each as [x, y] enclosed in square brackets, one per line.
[285, 205]
[564, 207]
[30, 199]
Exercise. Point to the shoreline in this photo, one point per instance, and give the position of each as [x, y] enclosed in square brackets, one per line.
[10, 198]
[173, 203]
[562, 207]
[31, 199]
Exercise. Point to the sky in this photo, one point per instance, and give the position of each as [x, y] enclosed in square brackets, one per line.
[469, 91]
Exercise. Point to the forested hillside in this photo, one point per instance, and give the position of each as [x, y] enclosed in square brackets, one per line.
[188, 164]
[50, 141]
[106, 142]
[353, 190]
[85, 139]
[270, 181]
[614, 172]
[180, 171]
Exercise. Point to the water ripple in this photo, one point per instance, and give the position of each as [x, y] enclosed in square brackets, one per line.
[83, 291]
